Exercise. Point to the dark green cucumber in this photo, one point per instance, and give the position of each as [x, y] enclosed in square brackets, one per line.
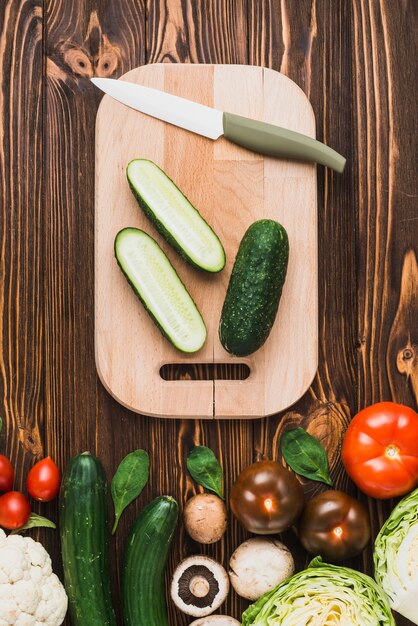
[84, 530]
[174, 216]
[255, 287]
[144, 562]
[158, 286]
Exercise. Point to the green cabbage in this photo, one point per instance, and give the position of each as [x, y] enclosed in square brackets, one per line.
[322, 595]
[396, 557]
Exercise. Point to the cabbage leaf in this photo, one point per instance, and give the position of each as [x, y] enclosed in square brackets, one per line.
[322, 594]
[396, 557]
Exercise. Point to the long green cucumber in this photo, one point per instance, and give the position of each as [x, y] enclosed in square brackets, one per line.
[144, 562]
[174, 216]
[158, 286]
[255, 287]
[84, 531]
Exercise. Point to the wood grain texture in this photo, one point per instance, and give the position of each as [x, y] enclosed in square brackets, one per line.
[21, 228]
[356, 62]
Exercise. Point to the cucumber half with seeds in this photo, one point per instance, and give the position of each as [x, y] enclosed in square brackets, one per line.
[158, 286]
[174, 216]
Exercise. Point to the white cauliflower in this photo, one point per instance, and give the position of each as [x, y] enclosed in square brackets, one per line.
[30, 593]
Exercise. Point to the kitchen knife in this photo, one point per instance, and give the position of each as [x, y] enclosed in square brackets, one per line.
[212, 123]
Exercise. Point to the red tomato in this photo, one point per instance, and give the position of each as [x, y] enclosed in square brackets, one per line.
[6, 474]
[380, 450]
[14, 510]
[44, 480]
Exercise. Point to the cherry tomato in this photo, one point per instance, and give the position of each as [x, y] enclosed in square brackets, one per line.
[267, 498]
[6, 474]
[334, 525]
[44, 480]
[380, 450]
[14, 510]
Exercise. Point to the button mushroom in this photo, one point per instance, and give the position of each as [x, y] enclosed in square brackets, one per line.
[258, 565]
[216, 620]
[199, 586]
[205, 518]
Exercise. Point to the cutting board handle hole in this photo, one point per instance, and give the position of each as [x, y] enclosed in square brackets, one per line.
[205, 371]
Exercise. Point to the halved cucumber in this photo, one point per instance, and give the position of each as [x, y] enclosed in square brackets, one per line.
[158, 286]
[174, 217]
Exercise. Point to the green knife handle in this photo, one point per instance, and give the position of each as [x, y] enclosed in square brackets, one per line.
[279, 142]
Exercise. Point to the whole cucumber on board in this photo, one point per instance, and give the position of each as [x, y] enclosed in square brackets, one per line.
[84, 531]
[174, 216]
[255, 287]
[158, 286]
[144, 562]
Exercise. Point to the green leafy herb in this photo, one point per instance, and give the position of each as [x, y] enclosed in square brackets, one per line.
[305, 455]
[128, 482]
[34, 521]
[205, 469]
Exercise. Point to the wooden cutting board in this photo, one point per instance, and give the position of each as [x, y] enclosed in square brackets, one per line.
[232, 188]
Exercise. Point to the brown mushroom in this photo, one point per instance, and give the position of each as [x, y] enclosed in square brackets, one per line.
[205, 518]
[199, 586]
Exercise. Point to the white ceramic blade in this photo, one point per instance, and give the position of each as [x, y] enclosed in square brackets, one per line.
[187, 114]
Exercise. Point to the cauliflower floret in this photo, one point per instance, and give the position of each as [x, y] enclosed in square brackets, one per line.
[30, 593]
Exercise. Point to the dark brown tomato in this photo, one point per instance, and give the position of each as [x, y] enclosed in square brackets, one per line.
[335, 526]
[266, 498]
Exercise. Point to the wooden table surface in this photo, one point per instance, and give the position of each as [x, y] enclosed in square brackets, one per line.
[356, 62]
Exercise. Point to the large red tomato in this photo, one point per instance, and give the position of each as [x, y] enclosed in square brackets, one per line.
[380, 450]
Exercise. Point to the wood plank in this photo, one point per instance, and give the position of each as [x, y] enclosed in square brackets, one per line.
[22, 357]
[387, 247]
[82, 40]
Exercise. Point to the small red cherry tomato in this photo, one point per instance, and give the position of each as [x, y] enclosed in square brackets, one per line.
[334, 525]
[14, 510]
[44, 480]
[6, 474]
[380, 450]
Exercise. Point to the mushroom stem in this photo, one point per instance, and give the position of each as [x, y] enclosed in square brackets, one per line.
[199, 586]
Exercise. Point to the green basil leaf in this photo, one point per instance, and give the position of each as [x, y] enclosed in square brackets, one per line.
[34, 521]
[205, 469]
[128, 482]
[305, 455]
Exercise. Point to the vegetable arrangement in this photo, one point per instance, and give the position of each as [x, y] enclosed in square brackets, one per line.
[256, 281]
[266, 498]
[43, 483]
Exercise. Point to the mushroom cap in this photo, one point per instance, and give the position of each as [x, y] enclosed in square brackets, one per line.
[205, 518]
[199, 586]
[258, 565]
[216, 620]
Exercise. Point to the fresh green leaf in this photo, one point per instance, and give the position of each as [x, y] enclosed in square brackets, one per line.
[34, 521]
[128, 482]
[305, 455]
[205, 469]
